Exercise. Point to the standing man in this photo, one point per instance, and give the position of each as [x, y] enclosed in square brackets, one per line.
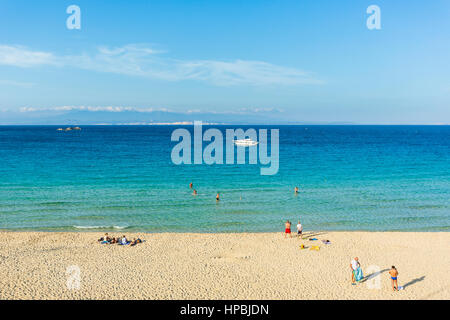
[354, 265]
[394, 274]
[287, 229]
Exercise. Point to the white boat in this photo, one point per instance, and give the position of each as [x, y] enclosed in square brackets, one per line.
[245, 143]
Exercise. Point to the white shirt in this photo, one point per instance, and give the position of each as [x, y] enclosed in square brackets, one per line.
[299, 227]
[355, 264]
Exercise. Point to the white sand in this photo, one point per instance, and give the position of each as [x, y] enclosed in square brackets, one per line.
[222, 266]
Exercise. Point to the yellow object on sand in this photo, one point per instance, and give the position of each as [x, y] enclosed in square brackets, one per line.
[302, 246]
[317, 248]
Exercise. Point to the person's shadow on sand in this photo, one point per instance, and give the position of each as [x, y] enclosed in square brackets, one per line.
[374, 274]
[413, 281]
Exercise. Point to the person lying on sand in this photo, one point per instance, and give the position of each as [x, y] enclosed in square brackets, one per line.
[394, 274]
[135, 242]
[287, 229]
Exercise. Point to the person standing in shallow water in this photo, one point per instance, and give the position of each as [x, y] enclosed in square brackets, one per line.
[394, 274]
[191, 185]
[296, 190]
[218, 197]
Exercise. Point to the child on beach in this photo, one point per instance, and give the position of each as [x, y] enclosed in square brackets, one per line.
[394, 275]
[300, 230]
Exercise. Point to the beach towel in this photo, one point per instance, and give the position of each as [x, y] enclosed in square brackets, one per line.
[313, 239]
[358, 274]
[317, 248]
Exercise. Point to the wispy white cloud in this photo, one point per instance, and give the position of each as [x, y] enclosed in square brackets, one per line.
[115, 109]
[16, 83]
[19, 56]
[142, 61]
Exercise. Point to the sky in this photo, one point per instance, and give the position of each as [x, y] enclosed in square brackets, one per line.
[305, 61]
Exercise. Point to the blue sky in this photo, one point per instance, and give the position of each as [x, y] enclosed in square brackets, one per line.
[312, 61]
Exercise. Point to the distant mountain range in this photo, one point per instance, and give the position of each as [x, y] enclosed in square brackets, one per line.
[82, 117]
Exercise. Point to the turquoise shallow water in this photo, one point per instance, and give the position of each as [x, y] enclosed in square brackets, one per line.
[121, 177]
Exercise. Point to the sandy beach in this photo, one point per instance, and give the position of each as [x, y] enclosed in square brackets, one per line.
[222, 266]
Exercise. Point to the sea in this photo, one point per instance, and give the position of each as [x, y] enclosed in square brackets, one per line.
[122, 178]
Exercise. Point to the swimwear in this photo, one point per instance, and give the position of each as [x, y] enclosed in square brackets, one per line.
[394, 278]
[288, 230]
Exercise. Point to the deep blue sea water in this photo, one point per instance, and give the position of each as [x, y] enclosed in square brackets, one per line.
[105, 177]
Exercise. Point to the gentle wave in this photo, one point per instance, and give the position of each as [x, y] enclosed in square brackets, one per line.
[101, 227]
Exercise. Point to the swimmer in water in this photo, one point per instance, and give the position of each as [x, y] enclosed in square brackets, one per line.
[218, 197]
[195, 192]
[296, 190]
[191, 185]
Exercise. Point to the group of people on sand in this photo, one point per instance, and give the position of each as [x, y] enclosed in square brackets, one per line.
[195, 193]
[119, 240]
[357, 274]
[287, 230]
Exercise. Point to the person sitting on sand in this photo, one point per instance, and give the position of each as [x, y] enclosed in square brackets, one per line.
[300, 230]
[106, 238]
[287, 229]
[394, 274]
[123, 241]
